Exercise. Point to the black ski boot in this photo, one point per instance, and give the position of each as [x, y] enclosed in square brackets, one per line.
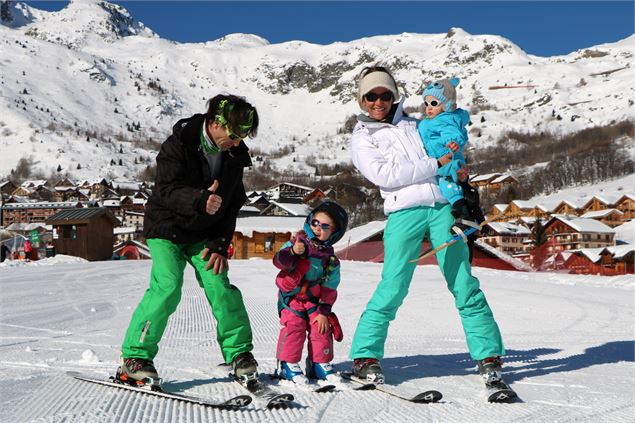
[368, 369]
[245, 366]
[491, 369]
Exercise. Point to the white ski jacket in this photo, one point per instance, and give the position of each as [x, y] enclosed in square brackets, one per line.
[391, 155]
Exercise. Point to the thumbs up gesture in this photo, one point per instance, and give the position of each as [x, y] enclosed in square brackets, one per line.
[214, 201]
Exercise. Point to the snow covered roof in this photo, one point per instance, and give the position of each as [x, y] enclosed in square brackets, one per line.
[250, 209]
[360, 234]
[483, 178]
[523, 204]
[277, 187]
[268, 224]
[42, 205]
[600, 213]
[296, 209]
[33, 183]
[111, 203]
[626, 232]
[508, 228]
[619, 251]
[585, 225]
[500, 207]
[501, 178]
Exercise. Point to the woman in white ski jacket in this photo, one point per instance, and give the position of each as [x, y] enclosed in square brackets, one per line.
[387, 150]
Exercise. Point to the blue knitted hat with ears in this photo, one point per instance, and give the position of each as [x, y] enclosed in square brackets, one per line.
[444, 90]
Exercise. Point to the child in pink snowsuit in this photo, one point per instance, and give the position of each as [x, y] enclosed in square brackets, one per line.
[308, 280]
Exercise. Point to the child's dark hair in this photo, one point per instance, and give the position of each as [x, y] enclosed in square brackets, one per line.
[234, 112]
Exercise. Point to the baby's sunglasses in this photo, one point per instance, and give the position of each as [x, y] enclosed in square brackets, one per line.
[385, 96]
[433, 103]
[325, 226]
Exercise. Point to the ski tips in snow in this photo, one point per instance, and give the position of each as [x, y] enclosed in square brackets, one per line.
[425, 397]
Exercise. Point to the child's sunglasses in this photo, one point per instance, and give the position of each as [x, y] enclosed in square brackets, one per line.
[433, 103]
[385, 96]
[325, 226]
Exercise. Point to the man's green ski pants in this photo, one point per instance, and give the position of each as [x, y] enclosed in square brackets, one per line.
[149, 320]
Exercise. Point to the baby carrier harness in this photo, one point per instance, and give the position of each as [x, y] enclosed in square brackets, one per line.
[284, 298]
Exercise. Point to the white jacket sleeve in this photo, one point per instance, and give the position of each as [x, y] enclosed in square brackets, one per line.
[388, 172]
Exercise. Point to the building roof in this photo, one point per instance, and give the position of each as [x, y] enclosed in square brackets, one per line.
[360, 234]
[80, 216]
[483, 178]
[42, 205]
[508, 228]
[268, 224]
[502, 178]
[601, 213]
[626, 232]
[296, 209]
[583, 225]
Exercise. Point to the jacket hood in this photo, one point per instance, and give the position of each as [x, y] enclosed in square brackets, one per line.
[337, 213]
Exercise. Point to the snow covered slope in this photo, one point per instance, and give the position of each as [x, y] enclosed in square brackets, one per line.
[569, 342]
[82, 84]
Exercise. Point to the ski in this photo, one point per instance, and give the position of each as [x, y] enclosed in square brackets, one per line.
[499, 391]
[321, 389]
[424, 397]
[156, 390]
[271, 397]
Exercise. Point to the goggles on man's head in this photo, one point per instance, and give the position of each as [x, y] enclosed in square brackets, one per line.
[225, 106]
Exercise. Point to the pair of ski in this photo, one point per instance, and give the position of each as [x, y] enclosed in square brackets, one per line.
[497, 391]
[272, 399]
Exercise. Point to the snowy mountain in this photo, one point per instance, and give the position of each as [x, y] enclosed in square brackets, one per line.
[89, 85]
[569, 343]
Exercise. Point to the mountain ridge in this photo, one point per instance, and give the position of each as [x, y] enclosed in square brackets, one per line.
[75, 88]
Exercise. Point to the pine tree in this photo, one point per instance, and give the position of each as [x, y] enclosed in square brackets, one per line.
[120, 162]
[538, 234]
[79, 166]
[59, 168]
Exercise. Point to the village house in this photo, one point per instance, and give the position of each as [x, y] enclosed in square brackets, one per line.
[610, 217]
[263, 236]
[507, 237]
[288, 190]
[567, 207]
[86, 233]
[595, 203]
[33, 211]
[574, 233]
[7, 188]
[278, 208]
[626, 204]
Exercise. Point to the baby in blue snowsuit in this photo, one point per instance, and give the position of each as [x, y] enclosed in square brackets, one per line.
[443, 130]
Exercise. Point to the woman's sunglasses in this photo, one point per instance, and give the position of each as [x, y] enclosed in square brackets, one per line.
[433, 103]
[325, 226]
[385, 96]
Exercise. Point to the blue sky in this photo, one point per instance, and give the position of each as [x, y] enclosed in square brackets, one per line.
[543, 28]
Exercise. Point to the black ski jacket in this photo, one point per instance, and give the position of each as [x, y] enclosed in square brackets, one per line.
[176, 209]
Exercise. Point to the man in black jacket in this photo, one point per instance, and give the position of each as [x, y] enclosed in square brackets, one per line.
[190, 218]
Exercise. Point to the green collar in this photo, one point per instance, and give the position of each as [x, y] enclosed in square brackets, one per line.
[207, 144]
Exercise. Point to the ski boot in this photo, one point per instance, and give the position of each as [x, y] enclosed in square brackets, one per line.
[491, 369]
[292, 372]
[138, 372]
[245, 367]
[322, 371]
[368, 369]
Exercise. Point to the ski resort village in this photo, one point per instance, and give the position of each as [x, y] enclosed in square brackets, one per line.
[239, 230]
